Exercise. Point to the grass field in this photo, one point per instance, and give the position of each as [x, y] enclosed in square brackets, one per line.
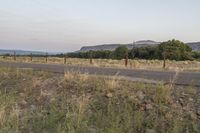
[133, 64]
[37, 101]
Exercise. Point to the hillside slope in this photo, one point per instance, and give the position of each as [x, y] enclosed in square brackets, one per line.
[194, 45]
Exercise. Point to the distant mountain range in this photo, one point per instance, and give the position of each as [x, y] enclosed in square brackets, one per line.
[194, 45]
[24, 52]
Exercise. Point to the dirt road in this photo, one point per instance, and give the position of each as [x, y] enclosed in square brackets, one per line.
[181, 78]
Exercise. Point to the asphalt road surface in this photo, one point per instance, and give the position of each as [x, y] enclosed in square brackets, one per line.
[180, 78]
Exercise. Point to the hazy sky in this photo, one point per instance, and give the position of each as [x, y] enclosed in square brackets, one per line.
[66, 25]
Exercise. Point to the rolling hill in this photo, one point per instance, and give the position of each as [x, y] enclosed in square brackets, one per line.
[194, 45]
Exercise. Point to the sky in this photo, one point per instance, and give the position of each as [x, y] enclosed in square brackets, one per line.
[67, 25]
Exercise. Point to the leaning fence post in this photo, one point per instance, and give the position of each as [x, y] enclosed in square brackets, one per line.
[126, 59]
[14, 56]
[65, 60]
[46, 57]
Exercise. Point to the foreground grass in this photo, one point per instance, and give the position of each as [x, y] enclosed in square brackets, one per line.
[42, 102]
[133, 64]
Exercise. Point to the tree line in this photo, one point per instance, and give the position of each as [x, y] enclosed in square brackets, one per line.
[172, 50]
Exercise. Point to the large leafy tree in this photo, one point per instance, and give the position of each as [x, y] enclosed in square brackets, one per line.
[120, 52]
[174, 50]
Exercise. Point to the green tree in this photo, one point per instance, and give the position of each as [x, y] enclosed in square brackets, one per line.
[174, 50]
[120, 52]
[196, 54]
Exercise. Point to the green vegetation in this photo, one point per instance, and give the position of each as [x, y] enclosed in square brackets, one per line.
[172, 49]
[35, 101]
[120, 52]
[149, 52]
[196, 54]
[95, 54]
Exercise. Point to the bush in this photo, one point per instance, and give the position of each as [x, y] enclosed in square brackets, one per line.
[120, 52]
[149, 52]
[95, 54]
[196, 54]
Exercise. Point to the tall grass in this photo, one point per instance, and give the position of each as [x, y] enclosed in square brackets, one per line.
[79, 103]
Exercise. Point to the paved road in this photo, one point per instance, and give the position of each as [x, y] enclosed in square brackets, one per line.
[183, 78]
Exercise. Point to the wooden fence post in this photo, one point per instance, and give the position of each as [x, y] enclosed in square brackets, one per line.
[31, 57]
[65, 59]
[14, 57]
[126, 60]
[90, 60]
[90, 57]
[46, 57]
[164, 60]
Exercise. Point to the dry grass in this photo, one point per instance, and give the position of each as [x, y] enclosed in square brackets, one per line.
[133, 64]
[78, 103]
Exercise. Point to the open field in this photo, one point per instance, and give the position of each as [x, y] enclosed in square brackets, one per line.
[37, 101]
[133, 64]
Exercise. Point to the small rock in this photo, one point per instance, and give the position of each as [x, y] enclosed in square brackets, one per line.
[92, 130]
[183, 95]
[109, 95]
[89, 112]
[132, 97]
[22, 94]
[193, 116]
[52, 99]
[141, 95]
[147, 101]
[168, 115]
[181, 101]
[23, 102]
[142, 108]
[190, 99]
[186, 108]
[149, 131]
[174, 105]
[74, 96]
[33, 107]
[148, 107]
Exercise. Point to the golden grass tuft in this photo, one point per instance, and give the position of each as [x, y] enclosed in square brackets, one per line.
[82, 104]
